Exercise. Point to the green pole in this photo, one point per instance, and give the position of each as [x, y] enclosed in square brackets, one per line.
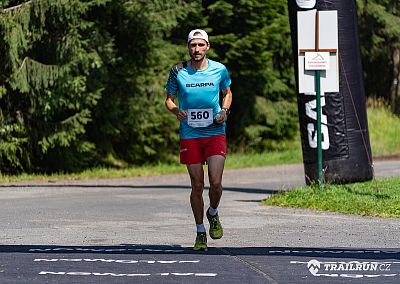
[319, 132]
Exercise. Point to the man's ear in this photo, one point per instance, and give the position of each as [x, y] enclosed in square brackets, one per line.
[208, 47]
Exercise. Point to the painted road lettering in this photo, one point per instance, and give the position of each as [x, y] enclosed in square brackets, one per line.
[78, 249]
[126, 261]
[82, 273]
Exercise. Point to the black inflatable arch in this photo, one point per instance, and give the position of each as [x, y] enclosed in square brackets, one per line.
[348, 158]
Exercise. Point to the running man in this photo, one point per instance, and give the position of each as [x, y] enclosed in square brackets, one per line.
[197, 84]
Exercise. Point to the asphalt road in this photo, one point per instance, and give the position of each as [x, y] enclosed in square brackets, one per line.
[138, 230]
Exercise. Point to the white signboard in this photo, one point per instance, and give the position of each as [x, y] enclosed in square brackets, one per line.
[316, 60]
[328, 39]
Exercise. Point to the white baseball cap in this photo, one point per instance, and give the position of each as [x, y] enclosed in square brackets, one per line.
[306, 4]
[202, 35]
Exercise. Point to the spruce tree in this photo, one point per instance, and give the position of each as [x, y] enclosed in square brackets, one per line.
[380, 46]
[45, 101]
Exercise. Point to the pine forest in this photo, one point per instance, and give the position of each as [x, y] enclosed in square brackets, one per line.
[82, 81]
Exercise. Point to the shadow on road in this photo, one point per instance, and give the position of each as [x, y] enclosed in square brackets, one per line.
[132, 249]
[155, 186]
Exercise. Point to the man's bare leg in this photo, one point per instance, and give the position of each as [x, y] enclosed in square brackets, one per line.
[196, 173]
[215, 170]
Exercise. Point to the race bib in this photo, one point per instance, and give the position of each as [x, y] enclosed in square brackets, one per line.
[200, 117]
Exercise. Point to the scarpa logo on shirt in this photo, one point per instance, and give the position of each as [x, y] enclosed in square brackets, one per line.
[194, 85]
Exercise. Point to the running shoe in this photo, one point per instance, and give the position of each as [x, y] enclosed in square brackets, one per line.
[201, 242]
[216, 231]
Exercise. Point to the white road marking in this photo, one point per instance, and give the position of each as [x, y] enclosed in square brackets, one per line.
[127, 261]
[82, 273]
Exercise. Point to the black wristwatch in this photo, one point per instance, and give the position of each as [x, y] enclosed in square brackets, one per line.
[227, 111]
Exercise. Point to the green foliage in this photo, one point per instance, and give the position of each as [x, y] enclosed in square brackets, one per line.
[272, 123]
[384, 131]
[44, 75]
[81, 81]
[131, 123]
[379, 22]
[251, 39]
[12, 152]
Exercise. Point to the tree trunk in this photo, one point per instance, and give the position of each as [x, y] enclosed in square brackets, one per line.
[395, 89]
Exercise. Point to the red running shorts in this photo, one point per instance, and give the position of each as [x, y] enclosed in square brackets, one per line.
[197, 150]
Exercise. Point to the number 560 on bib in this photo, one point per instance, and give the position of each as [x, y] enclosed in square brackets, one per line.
[200, 117]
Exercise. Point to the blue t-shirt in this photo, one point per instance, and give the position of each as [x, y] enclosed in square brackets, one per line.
[199, 89]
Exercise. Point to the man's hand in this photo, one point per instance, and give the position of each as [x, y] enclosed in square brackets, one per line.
[181, 115]
[221, 117]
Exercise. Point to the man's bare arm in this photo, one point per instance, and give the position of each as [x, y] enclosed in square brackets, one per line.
[171, 106]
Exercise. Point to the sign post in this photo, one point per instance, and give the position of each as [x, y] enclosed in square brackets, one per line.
[319, 134]
[317, 60]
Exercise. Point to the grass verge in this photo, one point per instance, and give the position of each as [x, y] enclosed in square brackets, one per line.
[384, 131]
[98, 173]
[234, 161]
[380, 198]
